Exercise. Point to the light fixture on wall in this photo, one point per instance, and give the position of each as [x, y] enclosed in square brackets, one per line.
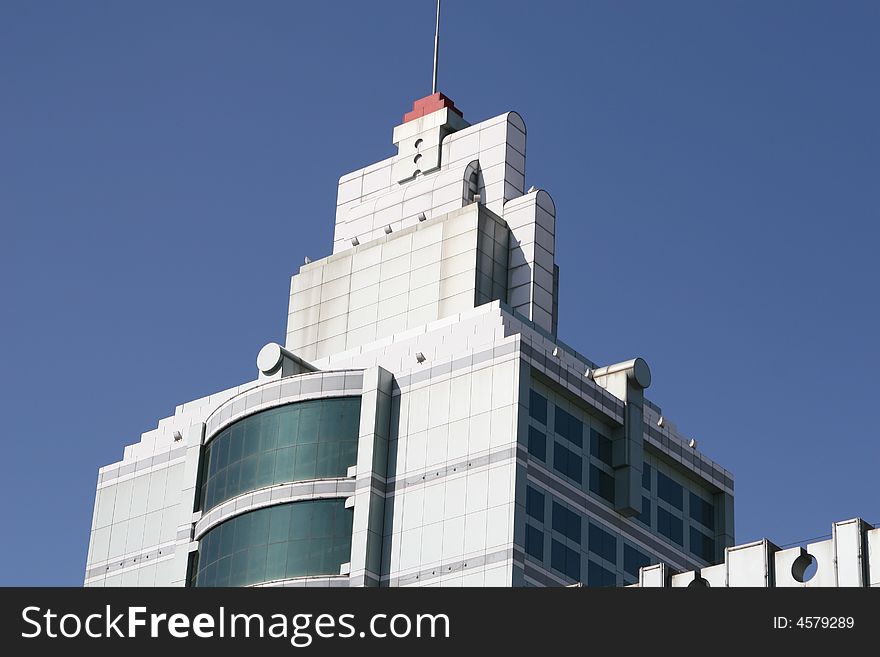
[178, 436]
[420, 357]
[355, 241]
[308, 260]
[555, 352]
[589, 374]
[423, 216]
[692, 443]
[532, 190]
[388, 229]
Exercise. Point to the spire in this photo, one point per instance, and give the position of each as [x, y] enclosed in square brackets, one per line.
[436, 50]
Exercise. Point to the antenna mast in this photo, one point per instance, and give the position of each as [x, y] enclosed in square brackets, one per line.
[436, 49]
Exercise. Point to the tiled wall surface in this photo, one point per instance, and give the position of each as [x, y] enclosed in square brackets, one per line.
[369, 199]
[432, 270]
[449, 517]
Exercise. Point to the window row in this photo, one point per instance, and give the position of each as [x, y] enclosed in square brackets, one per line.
[300, 441]
[289, 540]
[569, 427]
[567, 561]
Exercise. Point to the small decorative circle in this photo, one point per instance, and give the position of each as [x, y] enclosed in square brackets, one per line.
[269, 358]
[642, 373]
[804, 568]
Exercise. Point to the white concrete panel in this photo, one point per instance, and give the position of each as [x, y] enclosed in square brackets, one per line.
[847, 537]
[826, 573]
[873, 557]
[716, 575]
[453, 537]
[410, 548]
[364, 297]
[479, 433]
[481, 384]
[477, 495]
[500, 485]
[432, 543]
[456, 491]
[435, 501]
[457, 438]
[436, 452]
[416, 451]
[394, 287]
[475, 532]
[503, 429]
[413, 508]
[498, 526]
[104, 503]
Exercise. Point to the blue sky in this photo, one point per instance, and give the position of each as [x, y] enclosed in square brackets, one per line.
[165, 167]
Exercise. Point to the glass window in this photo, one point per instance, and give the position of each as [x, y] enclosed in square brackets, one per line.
[670, 491]
[566, 522]
[569, 427]
[634, 559]
[567, 462]
[670, 526]
[646, 476]
[702, 511]
[535, 504]
[535, 543]
[600, 447]
[537, 444]
[603, 543]
[305, 440]
[645, 516]
[599, 576]
[601, 484]
[278, 542]
[565, 560]
[538, 407]
[702, 546]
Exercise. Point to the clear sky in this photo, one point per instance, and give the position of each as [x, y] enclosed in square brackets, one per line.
[165, 167]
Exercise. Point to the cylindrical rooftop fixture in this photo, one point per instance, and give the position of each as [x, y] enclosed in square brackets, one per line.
[637, 370]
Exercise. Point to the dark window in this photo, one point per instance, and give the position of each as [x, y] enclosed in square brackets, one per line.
[645, 515]
[670, 491]
[538, 407]
[535, 543]
[702, 511]
[567, 462]
[565, 560]
[670, 526]
[603, 544]
[304, 440]
[600, 447]
[646, 476]
[599, 576]
[601, 484]
[535, 504]
[566, 522]
[634, 559]
[569, 427]
[296, 539]
[537, 444]
[702, 546]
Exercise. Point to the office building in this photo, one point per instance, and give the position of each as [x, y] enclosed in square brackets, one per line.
[421, 424]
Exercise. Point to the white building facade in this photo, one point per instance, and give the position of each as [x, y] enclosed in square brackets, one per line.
[421, 425]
